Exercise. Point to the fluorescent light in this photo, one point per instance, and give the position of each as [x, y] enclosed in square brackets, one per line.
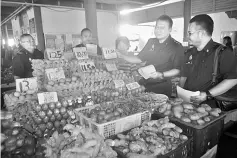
[11, 42]
[164, 2]
[3, 41]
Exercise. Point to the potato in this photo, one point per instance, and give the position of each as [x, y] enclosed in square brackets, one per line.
[178, 108]
[206, 106]
[186, 119]
[188, 111]
[178, 129]
[168, 112]
[162, 108]
[203, 114]
[201, 109]
[194, 116]
[207, 119]
[200, 122]
[178, 114]
[188, 106]
[217, 110]
[168, 106]
[214, 113]
[183, 137]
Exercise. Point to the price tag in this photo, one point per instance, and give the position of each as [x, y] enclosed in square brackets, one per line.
[91, 49]
[109, 53]
[132, 86]
[54, 54]
[47, 97]
[80, 53]
[55, 74]
[25, 84]
[111, 67]
[87, 65]
[118, 83]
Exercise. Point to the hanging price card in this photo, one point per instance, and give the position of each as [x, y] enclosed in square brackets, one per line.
[118, 83]
[26, 84]
[80, 53]
[87, 65]
[109, 53]
[55, 74]
[111, 67]
[54, 54]
[47, 97]
[132, 86]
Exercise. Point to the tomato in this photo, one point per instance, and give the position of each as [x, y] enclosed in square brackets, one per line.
[56, 111]
[63, 122]
[64, 103]
[42, 127]
[49, 125]
[97, 108]
[102, 113]
[42, 114]
[52, 118]
[65, 116]
[5, 123]
[10, 141]
[116, 113]
[16, 131]
[58, 105]
[37, 120]
[38, 108]
[46, 119]
[10, 148]
[19, 142]
[63, 110]
[94, 119]
[29, 140]
[52, 106]
[39, 133]
[59, 117]
[45, 107]
[56, 124]
[93, 111]
[49, 113]
[100, 118]
[109, 110]
[29, 150]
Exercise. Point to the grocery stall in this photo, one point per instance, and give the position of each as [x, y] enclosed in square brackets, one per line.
[81, 104]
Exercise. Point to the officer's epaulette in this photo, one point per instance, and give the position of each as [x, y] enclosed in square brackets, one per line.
[177, 42]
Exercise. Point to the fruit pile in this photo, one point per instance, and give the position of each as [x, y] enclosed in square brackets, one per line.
[77, 142]
[12, 99]
[16, 141]
[189, 113]
[153, 138]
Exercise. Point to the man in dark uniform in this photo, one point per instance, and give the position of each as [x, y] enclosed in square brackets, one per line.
[27, 51]
[165, 53]
[198, 68]
[86, 36]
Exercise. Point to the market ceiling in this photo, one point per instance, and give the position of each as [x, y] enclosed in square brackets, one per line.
[9, 6]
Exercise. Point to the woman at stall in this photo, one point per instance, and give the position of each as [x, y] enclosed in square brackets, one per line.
[27, 51]
[122, 44]
[227, 42]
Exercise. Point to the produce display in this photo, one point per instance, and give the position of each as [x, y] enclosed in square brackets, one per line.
[77, 142]
[153, 138]
[188, 113]
[7, 76]
[15, 140]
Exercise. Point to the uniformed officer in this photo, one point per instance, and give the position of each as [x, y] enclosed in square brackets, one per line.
[27, 51]
[198, 68]
[165, 53]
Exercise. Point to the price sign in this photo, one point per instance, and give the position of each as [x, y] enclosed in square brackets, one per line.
[25, 84]
[109, 53]
[87, 65]
[80, 53]
[47, 97]
[118, 83]
[111, 67]
[132, 86]
[55, 74]
[91, 49]
[54, 54]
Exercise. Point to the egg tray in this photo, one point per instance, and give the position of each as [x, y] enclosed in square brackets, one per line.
[112, 127]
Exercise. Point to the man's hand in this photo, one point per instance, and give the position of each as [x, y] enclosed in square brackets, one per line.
[157, 75]
[199, 98]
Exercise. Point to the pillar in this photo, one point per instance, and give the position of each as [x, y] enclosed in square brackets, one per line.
[91, 16]
[187, 17]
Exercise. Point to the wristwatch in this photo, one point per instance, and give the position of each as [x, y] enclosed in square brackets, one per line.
[209, 96]
[163, 76]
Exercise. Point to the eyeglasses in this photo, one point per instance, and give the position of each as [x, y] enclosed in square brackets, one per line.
[190, 33]
[31, 41]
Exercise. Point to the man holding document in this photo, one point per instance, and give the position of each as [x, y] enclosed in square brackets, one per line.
[209, 67]
[163, 55]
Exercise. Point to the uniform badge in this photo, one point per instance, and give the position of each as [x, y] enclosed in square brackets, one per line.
[190, 57]
[152, 48]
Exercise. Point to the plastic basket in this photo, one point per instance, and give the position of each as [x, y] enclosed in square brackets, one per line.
[112, 127]
[204, 137]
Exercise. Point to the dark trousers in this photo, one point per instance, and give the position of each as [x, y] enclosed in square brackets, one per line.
[164, 87]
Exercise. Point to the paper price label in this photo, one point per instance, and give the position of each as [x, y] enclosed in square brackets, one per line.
[132, 86]
[25, 84]
[111, 67]
[55, 74]
[118, 83]
[80, 53]
[109, 53]
[54, 54]
[47, 97]
[87, 65]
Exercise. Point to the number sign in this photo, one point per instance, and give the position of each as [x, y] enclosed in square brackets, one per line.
[80, 53]
[47, 97]
[111, 67]
[87, 65]
[54, 54]
[118, 83]
[132, 86]
[25, 84]
[55, 74]
[109, 53]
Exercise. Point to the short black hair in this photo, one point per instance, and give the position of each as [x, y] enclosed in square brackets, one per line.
[84, 30]
[123, 39]
[228, 40]
[205, 21]
[166, 18]
[25, 35]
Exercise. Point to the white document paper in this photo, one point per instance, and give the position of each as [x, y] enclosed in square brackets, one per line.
[186, 94]
[147, 71]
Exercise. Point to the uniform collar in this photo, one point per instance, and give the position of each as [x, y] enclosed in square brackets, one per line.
[208, 46]
[168, 40]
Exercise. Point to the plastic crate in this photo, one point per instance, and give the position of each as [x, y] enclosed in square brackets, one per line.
[204, 137]
[112, 127]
